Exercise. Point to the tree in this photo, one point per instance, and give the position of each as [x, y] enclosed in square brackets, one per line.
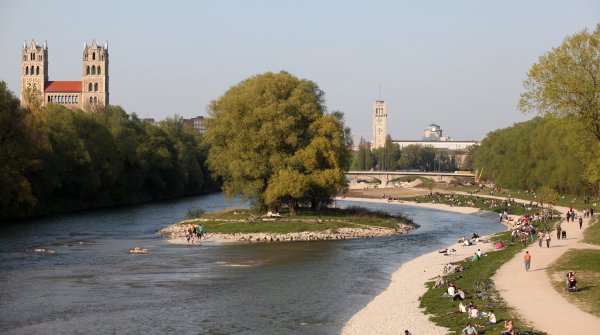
[566, 81]
[17, 140]
[271, 140]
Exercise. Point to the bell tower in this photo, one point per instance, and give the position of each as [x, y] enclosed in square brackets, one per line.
[34, 75]
[379, 124]
[95, 76]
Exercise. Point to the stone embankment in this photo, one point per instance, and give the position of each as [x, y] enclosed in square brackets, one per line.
[176, 232]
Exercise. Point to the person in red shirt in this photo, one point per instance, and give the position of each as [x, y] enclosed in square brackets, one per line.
[527, 259]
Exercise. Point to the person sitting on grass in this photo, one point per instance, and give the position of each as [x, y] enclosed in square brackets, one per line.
[491, 319]
[460, 295]
[510, 328]
[474, 312]
[469, 330]
[439, 282]
[451, 290]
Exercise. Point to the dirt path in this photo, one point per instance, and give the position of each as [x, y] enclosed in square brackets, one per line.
[531, 293]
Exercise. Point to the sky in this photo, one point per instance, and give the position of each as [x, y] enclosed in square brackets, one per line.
[459, 64]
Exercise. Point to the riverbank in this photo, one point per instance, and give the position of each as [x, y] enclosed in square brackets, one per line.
[241, 225]
[398, 306]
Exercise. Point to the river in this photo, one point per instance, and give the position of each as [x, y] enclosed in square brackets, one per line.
[92, 285]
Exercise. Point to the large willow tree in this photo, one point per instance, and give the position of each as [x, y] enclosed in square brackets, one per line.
[271, 140]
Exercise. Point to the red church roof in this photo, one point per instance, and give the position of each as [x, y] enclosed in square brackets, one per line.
[64, 86]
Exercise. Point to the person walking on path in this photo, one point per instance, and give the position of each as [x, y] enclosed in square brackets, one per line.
[527, 259]
[558, 230]
[547, 238]
[540, 238]
[469, 330]
[580, 222]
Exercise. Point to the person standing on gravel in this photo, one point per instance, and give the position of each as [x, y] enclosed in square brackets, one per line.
[540, 238]
[580, 222]
[547, 238]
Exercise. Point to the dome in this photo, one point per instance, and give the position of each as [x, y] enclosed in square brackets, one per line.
[432, 127]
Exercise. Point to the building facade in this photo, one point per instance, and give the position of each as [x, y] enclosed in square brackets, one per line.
[89, 93]
[379, 124]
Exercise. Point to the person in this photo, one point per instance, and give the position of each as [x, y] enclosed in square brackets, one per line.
[479, 253]
[540, 238]
[491, 319]
[580, 222]
[201, 231]
[439, 282]
[406, 332]
[451, 290]
[510, 328]
[547, 238]
[469, 330]
[198, 233]
[476, 257]
[474, 312]
[558, 230]
[460, 294]
[527, 259]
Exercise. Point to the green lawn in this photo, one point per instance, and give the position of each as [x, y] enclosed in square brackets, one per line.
[484, 269]
[592, 234]
[586, 264]
[477, 202]
[565, 200]
[245, 221]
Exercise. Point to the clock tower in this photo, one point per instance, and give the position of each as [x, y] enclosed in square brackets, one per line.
[379, 124]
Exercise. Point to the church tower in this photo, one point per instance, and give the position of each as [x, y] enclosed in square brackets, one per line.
[34, 75]
[95, 76]
[379, 124]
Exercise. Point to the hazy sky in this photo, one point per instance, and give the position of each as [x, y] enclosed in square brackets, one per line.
[459, 64]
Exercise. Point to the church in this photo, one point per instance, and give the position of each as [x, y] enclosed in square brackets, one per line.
[89, 93]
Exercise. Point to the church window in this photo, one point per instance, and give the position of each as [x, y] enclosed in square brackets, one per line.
[37, 70]
[31, 56]
[96, 87]
[99, 72]
[31, 70]
[89, 87]
[93, 56]
[93, 70]
[27, 70]
[87, 71]
[49, 98]
[95, 100]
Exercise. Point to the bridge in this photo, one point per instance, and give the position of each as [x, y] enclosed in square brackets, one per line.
[386, 176]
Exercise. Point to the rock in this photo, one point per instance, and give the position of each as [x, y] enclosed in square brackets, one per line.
[39, 250]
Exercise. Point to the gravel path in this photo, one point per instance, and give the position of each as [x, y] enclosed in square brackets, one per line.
[531, 293]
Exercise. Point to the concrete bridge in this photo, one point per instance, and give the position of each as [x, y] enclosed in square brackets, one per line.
[386, 176]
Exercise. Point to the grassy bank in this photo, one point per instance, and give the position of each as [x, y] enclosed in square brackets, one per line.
[586, 264]
[566, 200]
[493, 205]
[478, 272]
[592, 234]
[246, 221]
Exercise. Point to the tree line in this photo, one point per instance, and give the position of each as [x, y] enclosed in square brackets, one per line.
[412, 157]
[54, 159]
[560, 149]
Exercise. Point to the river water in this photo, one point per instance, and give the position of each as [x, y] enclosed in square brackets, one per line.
[92, 285]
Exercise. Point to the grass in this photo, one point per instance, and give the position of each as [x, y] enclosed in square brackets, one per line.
[477, 202]
[566, 200]
[305, 220]
[484, 269]
[586, 264]
[592, 234]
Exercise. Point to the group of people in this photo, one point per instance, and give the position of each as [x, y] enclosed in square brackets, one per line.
[192, 233]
